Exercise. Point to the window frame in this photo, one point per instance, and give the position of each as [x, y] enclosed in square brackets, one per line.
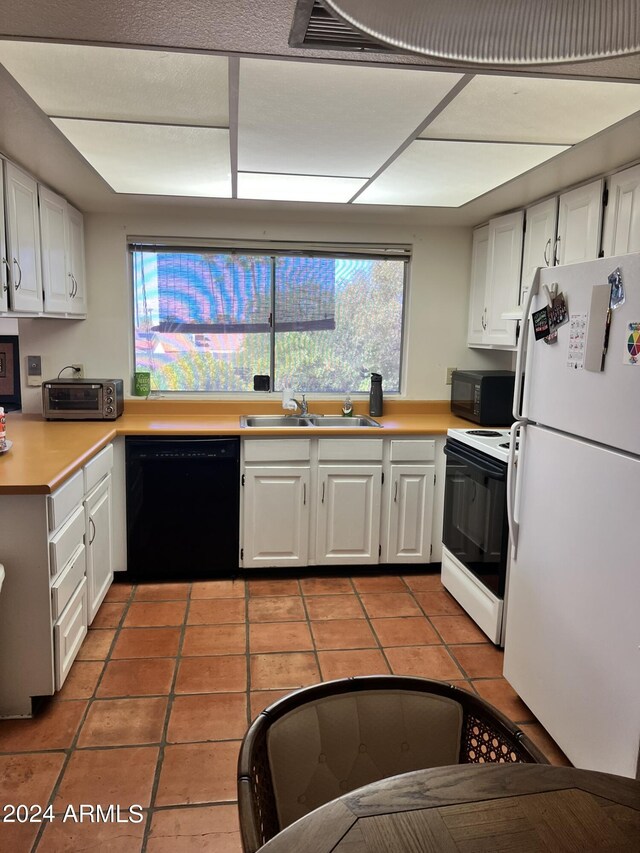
[273, 249]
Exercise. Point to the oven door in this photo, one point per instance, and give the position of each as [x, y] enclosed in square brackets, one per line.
[475, 526]
[73, 401]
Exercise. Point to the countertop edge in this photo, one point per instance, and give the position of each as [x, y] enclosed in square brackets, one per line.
[59, 449]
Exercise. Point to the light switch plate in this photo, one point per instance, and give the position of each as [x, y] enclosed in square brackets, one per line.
[34, 370]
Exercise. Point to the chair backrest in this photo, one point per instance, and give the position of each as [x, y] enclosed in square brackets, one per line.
[321, 742]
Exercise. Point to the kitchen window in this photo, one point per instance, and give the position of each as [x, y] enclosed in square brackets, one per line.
[210, 319]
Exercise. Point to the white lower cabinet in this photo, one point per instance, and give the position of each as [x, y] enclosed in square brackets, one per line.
[57, 552]
[408, 511]
[99, 537]
[410, 515]
[337, 501]
[276, 516]
[348, 516]
[69, 632]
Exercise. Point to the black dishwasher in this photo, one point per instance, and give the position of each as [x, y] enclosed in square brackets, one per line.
[183, 500]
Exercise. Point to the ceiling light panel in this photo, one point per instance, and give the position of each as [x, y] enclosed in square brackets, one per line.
[524, 109]
[121, 85]
[324, 119]
[154, 159]
[449, 174]
[297, 187]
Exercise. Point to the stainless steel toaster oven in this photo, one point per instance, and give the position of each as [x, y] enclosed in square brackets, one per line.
[82, 399]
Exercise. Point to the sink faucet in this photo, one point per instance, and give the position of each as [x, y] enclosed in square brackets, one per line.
[302, 405]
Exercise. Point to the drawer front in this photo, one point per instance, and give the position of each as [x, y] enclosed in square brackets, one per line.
[69, 632]
[349, 449]
[64, 500]
[68, 580]
[413, 450]
[66, 541]
[277, 450]
[96, 468]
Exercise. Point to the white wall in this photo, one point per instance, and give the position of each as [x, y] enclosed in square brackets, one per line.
[435, 332]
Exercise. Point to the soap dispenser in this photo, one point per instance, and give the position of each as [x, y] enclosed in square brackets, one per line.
[375, 395]
[347, 407]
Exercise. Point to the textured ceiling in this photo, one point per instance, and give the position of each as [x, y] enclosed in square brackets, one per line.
[256, 28]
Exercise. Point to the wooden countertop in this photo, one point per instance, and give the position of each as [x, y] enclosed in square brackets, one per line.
[45, 453]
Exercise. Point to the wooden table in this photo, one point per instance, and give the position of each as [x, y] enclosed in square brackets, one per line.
[523, 808]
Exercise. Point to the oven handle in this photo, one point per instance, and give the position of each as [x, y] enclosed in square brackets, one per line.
[512, 478]
[521, 351]
[478, 459]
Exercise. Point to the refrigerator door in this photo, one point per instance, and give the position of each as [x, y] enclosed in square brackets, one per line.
[572, 643]
[600, 406]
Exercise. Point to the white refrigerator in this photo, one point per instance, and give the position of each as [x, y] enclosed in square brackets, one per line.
[572, 640]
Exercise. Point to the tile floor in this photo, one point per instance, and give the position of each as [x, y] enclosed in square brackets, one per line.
[154, 708]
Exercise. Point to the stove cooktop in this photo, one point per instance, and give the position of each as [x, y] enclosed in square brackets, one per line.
[493, 442]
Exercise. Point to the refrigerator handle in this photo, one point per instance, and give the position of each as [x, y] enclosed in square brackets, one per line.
[512, 476]
[522, 344]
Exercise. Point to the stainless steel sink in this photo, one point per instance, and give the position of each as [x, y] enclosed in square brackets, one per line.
[342, 422]
[277, 421]
[323, 421]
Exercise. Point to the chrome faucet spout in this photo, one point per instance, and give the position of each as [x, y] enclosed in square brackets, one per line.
[302, 405]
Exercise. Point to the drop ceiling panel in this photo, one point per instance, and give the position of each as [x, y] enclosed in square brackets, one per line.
[121, 85]
[324, 119]
[522, 109]
[449, 174]
[297, 187]
[154, 159]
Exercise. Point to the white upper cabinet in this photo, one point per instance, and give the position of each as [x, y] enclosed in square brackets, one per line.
[622, 215]
[541, 221]
[75, 261]
[579, 224]
[53, 233]
[62, 240]
[478, 285]
[499, 250]
[23, 237]
[4, 262]
[503, 277]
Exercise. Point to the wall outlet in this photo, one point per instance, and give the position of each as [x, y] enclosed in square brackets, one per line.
[78, 371]
[449, 372]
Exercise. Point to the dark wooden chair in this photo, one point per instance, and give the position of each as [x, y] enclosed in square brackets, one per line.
[320, 742]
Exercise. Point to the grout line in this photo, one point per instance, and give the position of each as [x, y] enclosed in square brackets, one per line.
[163, 740]
[70, 751]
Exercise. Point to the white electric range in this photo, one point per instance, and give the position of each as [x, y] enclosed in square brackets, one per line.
[475, 555]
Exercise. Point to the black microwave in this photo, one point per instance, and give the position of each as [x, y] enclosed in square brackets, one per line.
[483, 396]
[82, 399]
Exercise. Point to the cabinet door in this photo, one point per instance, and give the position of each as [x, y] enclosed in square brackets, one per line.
[4, 262]
[348, 522]
[539, 241]
[503, 277]
[56, 282]
[97, 507]
[477, 304]
[579, 223]
[276, 516]
[75, 254]
[622, 215]
[410, 514]
[23, 230]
